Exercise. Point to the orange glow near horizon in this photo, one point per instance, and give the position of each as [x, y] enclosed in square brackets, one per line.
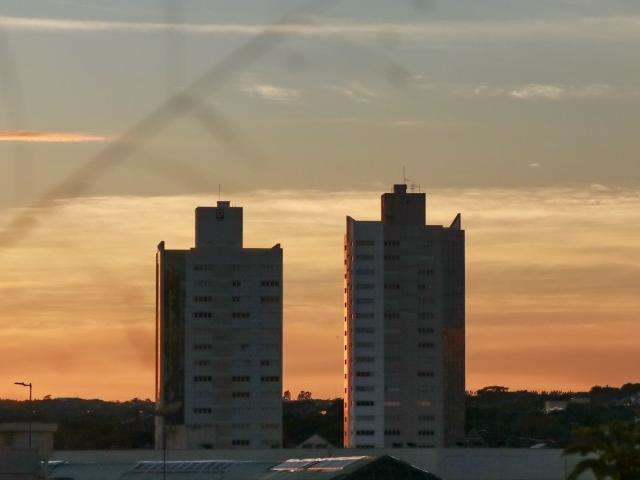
[552, 287]
[48, 137]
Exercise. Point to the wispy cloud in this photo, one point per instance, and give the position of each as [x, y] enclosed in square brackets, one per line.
[530, 91]
[273, 92]
[601, 28]
[355, 91]
[30, 136]
[537, 91]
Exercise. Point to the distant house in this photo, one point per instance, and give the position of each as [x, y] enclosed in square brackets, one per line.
[315, 441]
[552, 406]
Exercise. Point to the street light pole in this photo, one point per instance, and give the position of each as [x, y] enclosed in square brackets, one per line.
[30, 385]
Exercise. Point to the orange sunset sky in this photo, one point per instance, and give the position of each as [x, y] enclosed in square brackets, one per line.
[552, 287]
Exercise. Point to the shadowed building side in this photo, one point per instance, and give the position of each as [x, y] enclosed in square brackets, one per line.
[404, 328]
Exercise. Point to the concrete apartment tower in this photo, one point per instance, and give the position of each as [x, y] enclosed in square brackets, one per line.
[219, 339]
[404, 328]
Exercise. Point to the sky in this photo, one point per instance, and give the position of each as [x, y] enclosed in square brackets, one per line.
[520, 115]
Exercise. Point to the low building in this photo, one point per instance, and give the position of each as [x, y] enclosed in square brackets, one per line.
[345, 468]
[552, 406]
[19, 464]
[315, 441]
[37, 436]
[446, 463]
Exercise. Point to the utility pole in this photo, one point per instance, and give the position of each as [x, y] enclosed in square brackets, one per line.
[30, 385]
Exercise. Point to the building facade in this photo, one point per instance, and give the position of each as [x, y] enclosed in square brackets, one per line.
[219, 339]
[404, 328]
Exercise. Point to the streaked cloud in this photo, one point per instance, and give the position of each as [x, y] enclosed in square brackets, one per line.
[537, 91]
[530, 91]
[355, 91]
[273, 92]
[48, 137]
[600, 28]
[534, 165]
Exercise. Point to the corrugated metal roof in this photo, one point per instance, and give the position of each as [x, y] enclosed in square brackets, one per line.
[332, 468]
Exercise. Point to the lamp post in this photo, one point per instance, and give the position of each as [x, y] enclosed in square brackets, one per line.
[30, 385]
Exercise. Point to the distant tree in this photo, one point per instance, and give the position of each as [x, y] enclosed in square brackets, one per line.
[493, 389]
[612, 451]
[304, 395]
[287, 396]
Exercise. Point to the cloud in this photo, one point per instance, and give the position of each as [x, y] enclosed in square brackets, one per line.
[530, 91]
[534, 165]
[272, 92]
[48, 137]
[355, 91]
[600, 28]
[537, 91]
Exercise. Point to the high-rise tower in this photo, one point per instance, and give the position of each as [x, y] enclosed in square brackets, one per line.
[219, 339]
[404, 334]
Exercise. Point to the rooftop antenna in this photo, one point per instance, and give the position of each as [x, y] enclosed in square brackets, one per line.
[407, 181]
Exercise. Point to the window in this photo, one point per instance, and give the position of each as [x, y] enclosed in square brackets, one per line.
[202, 346]
[426, 345]
[240, 394]
[270, 379]
[203, 268]
[364, 344]
[392, 243]
[392, 258]
[240, 315]
[364, 374]
[365, 418]
[270, 283]
[426, 316]
[392, 286]
[365, 330]
[426, 418]
[365, 403]
[391, 315]
[202, 298]
[363, 316]
[265, 363]
[365, 359]
[202, 315]
[202, 378]
[236, 283]
[201, 410]
[364, 300]
[240, 442]
[365, 286]
[365, 271]
[202, 363]
[235, 299]
[364, 257]
[426, 432]
[241, 378]
[365, 243]
[426, 330]
[365, 432]
[426, 374]
[392, 433]
[426, 271]
[364, 388]
[270, 299]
